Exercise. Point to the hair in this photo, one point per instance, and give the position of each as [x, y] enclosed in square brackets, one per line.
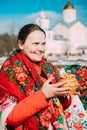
[28, 29]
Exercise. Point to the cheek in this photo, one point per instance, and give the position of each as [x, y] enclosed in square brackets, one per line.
[44, 48]
[29, 50]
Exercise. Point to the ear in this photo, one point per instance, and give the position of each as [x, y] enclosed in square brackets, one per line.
[20, 44]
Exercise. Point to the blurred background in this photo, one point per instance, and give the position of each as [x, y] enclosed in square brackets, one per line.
[65, 24]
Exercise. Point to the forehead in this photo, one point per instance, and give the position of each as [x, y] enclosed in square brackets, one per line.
[37, 34]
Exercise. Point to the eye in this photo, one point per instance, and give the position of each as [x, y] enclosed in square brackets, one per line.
[44, 43]
[36, 43]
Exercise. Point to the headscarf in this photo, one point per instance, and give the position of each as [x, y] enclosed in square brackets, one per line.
[19, 76]
[81, 75]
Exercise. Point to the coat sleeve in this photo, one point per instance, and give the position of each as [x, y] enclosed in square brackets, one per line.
[26, 108]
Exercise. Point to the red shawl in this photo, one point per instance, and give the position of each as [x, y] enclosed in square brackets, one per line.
[18, 76]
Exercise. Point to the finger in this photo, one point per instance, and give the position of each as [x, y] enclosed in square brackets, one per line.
[59, 84]
[62, 89]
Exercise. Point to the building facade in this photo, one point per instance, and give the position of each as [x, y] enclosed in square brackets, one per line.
[68, 36]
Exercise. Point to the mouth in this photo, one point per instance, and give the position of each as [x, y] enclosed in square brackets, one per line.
[39, 53]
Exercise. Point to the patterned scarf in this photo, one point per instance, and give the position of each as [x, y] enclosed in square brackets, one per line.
[20, 78]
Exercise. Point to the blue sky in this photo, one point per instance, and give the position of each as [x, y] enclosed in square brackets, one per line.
[16, 13]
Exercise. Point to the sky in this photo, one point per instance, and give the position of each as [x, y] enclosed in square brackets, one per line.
[16, 13]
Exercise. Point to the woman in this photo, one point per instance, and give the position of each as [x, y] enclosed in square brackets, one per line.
[29, 86]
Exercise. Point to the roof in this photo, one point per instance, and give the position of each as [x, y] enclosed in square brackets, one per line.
[68, 6]
[69, 24]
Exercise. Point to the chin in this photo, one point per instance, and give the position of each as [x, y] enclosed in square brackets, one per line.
[37, 59]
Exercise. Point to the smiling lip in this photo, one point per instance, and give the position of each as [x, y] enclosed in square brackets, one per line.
[38, 53]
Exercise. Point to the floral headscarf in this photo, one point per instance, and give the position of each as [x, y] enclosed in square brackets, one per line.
[20, 78]
[81, 76]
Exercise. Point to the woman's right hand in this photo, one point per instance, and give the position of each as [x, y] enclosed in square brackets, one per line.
[51, 90]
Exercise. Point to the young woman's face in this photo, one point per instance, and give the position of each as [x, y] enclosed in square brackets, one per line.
[34, 46]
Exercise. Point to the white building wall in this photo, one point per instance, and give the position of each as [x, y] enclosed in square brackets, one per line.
[61, 29]
[77, 37]
[49, 35]
[55, 47]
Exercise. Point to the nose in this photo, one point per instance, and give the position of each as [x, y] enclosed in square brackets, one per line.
[42, 48]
